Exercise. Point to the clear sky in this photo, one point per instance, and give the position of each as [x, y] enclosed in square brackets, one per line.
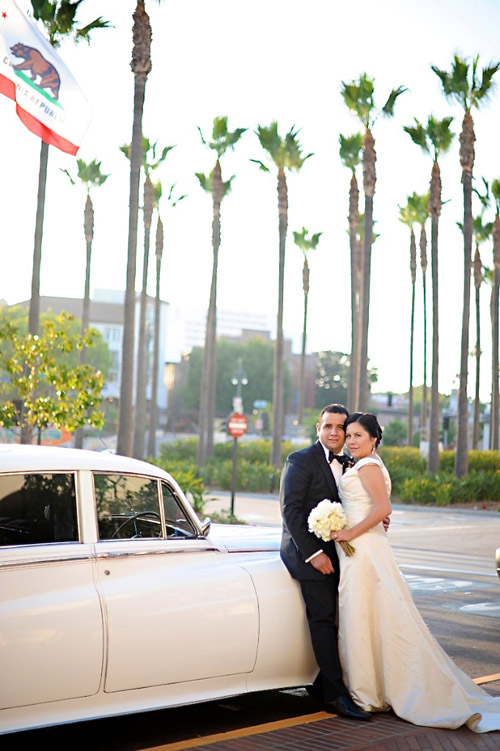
[256, 62]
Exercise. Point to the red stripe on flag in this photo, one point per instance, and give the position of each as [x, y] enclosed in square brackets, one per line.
[48, 136]
[8, 88]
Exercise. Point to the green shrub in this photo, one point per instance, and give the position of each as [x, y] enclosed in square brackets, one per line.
[404, 457]
[187, 476]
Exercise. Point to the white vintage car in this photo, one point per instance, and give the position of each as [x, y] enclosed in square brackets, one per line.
[115, 599]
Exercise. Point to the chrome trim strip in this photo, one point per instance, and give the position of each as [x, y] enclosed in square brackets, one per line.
[45, 561]
[131, 553]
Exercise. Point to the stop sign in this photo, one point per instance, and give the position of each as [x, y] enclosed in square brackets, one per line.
[237, 425]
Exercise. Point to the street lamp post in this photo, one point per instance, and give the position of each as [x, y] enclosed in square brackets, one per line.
[239, 379]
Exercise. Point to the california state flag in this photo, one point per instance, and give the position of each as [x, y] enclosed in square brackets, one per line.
[48, 100]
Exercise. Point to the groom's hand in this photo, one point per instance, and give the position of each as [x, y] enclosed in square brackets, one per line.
[322, 563]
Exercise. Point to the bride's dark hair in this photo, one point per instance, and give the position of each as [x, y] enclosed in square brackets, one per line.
[369, 422]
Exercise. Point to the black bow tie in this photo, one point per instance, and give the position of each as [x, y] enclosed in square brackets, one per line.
[342, 458]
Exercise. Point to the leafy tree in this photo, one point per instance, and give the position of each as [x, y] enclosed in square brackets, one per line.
[59, 21]
[463, 85]
[350, 154]
[306, 244]
[359, 98]
[257, 358]
[332, 379]
[434, 139]
[49, 388]
[222, 140]
[286, 154]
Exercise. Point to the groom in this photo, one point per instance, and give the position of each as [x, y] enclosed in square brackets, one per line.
[308, 477]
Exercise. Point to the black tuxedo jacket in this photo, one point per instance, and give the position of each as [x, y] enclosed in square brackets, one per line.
[305, 481]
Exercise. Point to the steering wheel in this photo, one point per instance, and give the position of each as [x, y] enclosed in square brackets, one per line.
[132, 519]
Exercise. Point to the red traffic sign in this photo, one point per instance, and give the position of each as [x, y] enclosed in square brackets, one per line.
[237, 425]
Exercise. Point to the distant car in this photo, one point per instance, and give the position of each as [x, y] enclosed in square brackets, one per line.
[497, 560]
[115, 598]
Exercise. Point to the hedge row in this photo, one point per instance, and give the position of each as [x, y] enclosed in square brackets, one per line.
[406, 466]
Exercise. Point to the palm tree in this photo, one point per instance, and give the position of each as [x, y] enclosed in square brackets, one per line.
[222, 140]
[358, 96]
[150, 163]
[350, 150]
[407, 216]
[482, 232]
[462, 84]
[91, 176]
[156, 347]
[305, 244]
[286, 154]
[495, 401]
[141, 66]
[434, 139]
[58, 19]
[421, 208]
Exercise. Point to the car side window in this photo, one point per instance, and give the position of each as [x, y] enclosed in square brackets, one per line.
[37, 508]
[127, 507]
[177, 521]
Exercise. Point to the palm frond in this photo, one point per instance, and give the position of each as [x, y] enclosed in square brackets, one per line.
[84, 32]
[205, 181]
[262, 166]
[418, 135]
[350, 150]
[388, 108]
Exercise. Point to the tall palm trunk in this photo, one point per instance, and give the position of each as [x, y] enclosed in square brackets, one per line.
[153, 415]
[278, 377]
[423, 264]
[478, 278]
[209, 370]
[435, 211]
[142, 348]
[34, 311]
[305, 286]
[369, 180]
[89, 236]
[495, 400]
[353, 387]
[413, 270]
[141, 66]
[467, 139]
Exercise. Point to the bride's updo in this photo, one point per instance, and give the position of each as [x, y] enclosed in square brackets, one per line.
[369, 422]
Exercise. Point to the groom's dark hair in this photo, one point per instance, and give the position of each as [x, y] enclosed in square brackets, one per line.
[338, 409]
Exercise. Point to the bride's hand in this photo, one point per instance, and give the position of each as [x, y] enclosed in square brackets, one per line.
[342, 535]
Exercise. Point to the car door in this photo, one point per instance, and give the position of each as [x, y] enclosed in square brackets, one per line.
[51, 632]
[177, 609]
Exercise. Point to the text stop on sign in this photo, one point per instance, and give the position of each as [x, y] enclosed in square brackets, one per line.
[237, 425]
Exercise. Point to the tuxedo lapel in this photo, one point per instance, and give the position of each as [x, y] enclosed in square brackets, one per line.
[324, 467]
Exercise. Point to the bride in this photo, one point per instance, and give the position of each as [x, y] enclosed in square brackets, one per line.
[390, 659]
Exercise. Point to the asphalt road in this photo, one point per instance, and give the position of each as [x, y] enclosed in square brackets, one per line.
[448, 560]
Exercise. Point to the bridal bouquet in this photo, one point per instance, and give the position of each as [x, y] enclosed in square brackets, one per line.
[326, 517]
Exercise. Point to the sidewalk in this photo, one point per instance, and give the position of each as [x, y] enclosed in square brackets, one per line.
[324, 732]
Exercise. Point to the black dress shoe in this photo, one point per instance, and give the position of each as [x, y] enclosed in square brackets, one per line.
[344, 705]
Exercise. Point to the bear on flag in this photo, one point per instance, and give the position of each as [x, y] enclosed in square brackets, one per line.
[48, 100]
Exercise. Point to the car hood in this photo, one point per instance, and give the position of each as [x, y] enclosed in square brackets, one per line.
[237, 538]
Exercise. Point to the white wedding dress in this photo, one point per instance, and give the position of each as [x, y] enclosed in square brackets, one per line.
[389, 657]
